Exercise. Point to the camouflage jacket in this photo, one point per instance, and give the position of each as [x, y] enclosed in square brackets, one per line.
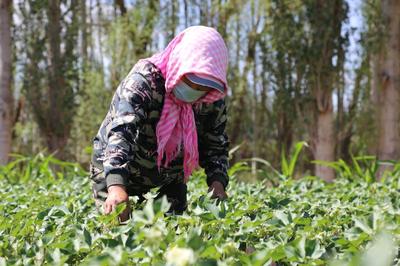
[125, 147]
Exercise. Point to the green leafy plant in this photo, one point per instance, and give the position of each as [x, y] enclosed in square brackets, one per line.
[362, 168]
[49, 217]
[288, 164]
[25, 168]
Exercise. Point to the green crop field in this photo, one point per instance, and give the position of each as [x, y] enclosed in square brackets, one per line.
[49, 217]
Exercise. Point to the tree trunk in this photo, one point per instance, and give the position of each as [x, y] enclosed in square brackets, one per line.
[100, 34]
[237, 101]
[6, 97]
[121, 6]
[389, 85]
[256, 127]
[84, 33]
[186, 12]
[56, 138]
[324, 146]
[327, 19]
[347, 128]
[92, 31]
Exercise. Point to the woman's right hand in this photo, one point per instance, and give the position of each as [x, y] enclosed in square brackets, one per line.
[116, 195]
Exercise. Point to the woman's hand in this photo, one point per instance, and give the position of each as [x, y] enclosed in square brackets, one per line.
[218, 191]
[117, 195]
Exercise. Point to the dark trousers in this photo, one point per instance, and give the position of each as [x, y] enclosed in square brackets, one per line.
[176, 193]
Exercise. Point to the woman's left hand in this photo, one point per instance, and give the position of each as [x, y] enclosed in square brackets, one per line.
[218, 191]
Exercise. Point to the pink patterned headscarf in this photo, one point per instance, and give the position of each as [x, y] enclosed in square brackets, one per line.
[199, 50]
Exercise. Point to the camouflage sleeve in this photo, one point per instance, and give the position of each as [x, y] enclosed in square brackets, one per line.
[129, 111]
[214, 145]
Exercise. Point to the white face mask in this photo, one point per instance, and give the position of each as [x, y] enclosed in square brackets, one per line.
[185, 93]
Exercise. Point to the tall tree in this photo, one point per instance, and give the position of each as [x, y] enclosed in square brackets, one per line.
[325, 21]
[238, 103]
[387, 72]
[84, 33]
[285, 69]
[256, 11]
[6, 97]
[346, 119]
[50, 73]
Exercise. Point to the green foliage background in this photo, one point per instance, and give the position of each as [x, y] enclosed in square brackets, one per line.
[274, 49]
[48, 216]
